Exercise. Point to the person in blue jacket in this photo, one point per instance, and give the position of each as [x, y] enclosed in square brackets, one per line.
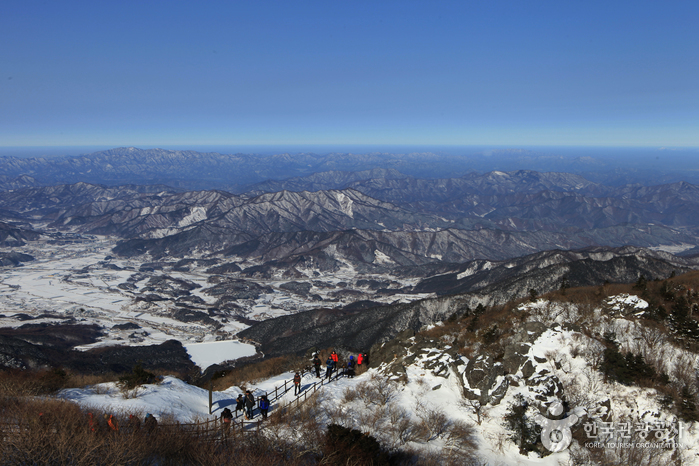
[351, 365]
[330, 365]
[264, 406]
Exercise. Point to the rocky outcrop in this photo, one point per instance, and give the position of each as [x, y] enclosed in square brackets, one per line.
[547, 271]
[353, 329]
[14, 259]
[487, 380]
[483, 378]
[36, 346]
[14, 236]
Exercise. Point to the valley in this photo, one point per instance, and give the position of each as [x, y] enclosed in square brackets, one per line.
[78, 280]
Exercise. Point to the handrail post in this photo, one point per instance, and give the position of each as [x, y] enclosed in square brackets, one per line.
[211, 392]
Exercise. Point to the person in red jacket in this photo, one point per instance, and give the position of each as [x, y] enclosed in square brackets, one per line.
[360, 358]
[334, 357]
[112, 423]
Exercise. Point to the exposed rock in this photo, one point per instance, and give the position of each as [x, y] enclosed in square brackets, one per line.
[516, 354]
[301, 288]
[126, 326]
[14, 258]
[484, 378]
[188, 315]
[230, 267]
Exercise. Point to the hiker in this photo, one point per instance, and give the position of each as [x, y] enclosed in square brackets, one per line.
[249, 405]
[226, 418]
[335, 358]
[43, 421]
[112, 423]
[316, 364]
[92, 423]
[360, 361]
[239, 404]
[329, 364]
[350, 367]
[297, 384]
[264, 406]
[134, 423]
[150, 423]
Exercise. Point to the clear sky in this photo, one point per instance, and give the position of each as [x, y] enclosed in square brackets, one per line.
[128, 73]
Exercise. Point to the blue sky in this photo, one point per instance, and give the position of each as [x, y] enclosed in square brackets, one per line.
[375, 72]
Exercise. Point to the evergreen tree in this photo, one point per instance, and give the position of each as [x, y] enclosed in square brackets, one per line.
[525, 433]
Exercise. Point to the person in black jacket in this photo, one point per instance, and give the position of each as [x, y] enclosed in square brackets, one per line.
[316, 364]
[150, 423]
[239, 404]
[249, 405]
[226, 419]
[351, 365]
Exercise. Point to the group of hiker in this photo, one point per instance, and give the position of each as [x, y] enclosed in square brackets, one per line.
[246, 402]
[333, 364]
[111, 423]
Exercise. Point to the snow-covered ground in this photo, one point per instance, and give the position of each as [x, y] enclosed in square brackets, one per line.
[171, 399]
[423, 397]
[566, 354]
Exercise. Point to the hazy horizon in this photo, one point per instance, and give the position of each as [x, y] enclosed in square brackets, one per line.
[270, 149]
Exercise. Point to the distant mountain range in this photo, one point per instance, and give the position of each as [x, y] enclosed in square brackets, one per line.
[375, 219]
[191, 170]
[493, 216]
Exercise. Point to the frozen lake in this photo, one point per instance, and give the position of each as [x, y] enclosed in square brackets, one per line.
[214, 352]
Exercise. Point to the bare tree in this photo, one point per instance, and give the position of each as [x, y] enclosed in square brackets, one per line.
[477, 411]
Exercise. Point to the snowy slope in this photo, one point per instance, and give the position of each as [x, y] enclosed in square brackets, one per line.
[428, 398]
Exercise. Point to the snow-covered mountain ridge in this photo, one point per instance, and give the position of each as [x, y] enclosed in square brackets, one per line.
[454, 390]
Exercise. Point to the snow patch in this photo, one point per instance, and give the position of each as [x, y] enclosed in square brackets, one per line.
[381, 258]
[672, 248]
[345, 204]
[197, 214]
[214, 352]
[625, 301]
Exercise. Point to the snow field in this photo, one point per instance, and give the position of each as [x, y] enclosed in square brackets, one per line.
[54, 287]
[214, 352]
